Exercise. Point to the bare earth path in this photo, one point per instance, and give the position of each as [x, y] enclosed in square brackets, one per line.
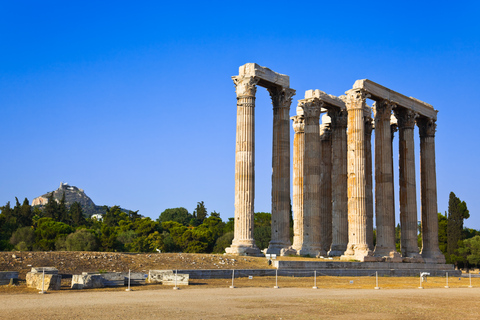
[246, 303]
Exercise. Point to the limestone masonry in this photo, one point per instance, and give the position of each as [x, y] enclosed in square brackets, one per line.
[332, 171]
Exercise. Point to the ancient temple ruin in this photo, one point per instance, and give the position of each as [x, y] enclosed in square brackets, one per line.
[332, 171]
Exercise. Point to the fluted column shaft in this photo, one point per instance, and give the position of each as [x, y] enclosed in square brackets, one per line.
[311, 183]
[326, 187]
[339, 182]
[243, 242]
[384, 194]
[430, 250]
[369, 180]
[357, 247]
[298, 173]
[408, 193]
[281, 100]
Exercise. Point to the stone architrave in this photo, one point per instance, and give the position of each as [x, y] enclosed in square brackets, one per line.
[408, 193]
[298, 173]
[430, 250]
[326, 186]
[311, 181]
[281, 100]
[357, 247]
[369, 177]
[339, 182]
[243, 242]
[384, 192]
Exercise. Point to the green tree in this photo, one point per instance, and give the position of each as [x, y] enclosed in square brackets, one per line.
[8, 225]
[262, 232]
[471, 250]
[76, 215]
[62, 211]
[457, 212]
[179, 215]
[442, 232]
[81, 240]
[51, 208]
[25, 235]
[199, 214]
[223, 242]
[48, 232]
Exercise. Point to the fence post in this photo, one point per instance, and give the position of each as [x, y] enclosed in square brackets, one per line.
[421, 287]
[128, 289]
[276, 279]
[43, 282]
[447, 282]
[470, 276]
[376, 281]
[315, 281]
[176, 288]
[233, 277]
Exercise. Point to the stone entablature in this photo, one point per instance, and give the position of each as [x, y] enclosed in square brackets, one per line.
[378, 92]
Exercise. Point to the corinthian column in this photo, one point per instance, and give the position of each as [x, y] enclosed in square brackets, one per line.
[326, 187]
[281, 100]
[369, 178]
[430, 250]
[408, 193]
[357, 247]
[298, 165]
[243, 242]
[384, 195]
[311, 183]
[339, 182]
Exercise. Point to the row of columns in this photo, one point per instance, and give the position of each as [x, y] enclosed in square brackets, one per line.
[332, 178]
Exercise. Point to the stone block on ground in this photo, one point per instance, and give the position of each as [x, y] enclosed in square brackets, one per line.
[87, 281]
[6, 276]
[167, 277]
[51, 281]
[47, 270]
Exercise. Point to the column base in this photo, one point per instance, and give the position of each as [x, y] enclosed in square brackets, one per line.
[433, 256]
[337, 250]
[247, 248]
[387, 254]
[311, 251]
[358, 252]
[278, 248]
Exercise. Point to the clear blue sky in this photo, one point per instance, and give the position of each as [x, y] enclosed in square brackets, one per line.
[133, 101]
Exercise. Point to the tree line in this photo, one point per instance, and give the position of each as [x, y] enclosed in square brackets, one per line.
[57, 226]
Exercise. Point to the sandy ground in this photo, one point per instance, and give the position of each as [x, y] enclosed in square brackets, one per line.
[196, 302]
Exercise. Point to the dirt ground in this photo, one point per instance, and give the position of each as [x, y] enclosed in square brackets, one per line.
[71, 262]
[206, 302]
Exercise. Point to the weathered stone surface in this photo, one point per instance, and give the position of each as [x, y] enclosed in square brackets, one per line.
[357, 247]
[36, 280]
[265, 76]
[379, 92]
[298, 174]
[281, 100]
[6, 276]
[168, 277]
[87, 281]
[47, 270]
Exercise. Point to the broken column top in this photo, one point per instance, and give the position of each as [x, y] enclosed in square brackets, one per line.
[329, 99]
[379, 92]
[267, 77]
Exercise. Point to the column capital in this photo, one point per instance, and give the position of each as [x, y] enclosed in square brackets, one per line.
[356, 99]
[339, 118]
[405, 117]
[426, 127]
[311, 108]
[245, 86]
[383, 109]
[298, 124]
[281, 96]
